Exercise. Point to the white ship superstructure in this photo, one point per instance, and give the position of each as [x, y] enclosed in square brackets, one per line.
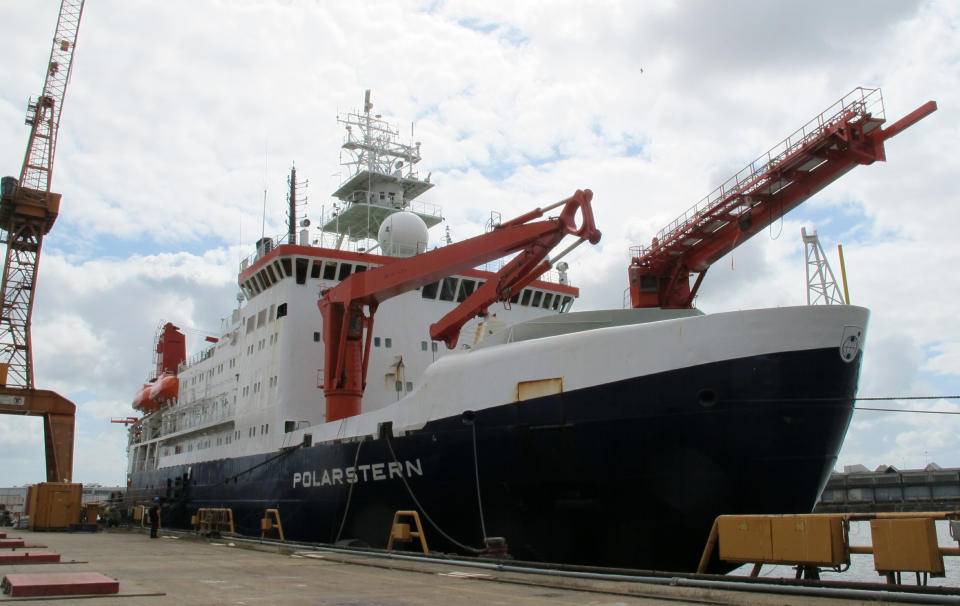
[263, 377]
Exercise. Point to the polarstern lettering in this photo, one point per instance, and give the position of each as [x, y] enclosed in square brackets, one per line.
[361, 473]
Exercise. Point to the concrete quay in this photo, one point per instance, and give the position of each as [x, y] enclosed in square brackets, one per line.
[183, 569]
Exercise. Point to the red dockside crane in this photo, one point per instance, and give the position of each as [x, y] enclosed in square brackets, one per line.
[848, 134]
[348, 328]
[28, 210]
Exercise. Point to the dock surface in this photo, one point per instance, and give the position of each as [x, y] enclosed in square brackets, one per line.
[180, 569]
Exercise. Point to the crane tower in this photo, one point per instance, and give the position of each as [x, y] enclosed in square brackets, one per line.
[28, 208]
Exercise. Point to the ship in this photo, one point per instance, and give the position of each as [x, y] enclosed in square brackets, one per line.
[598, 437]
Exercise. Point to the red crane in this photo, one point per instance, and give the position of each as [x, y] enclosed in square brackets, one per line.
[844, 136]
[28, 210]
[348, 328]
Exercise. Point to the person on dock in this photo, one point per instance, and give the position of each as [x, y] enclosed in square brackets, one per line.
[154, 517]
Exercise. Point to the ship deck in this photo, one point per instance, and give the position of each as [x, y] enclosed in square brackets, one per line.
[182, 568]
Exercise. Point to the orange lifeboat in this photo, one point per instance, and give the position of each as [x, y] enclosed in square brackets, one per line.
[164, 389]
[142, 400]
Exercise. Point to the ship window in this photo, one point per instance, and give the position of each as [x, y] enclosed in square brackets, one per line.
[251, 323]
[271, 316]
[537, 294]
[423, 346]
[376, 341]
[547, 299]
[515, 298]
[382, 196]
[449, 289]
[262, 278]
[271, 275]
[330, 270]
[344, 271]
[261, 317]
[409, 386]
[567, 303]
[359, 268]
[315, 269]
[526, 297]
[387, 342]
[556, 303]
[266, 428]
[281, 310]
[466, 289]
[430, 290]
[316, 337]
[433, 346]
[302, 265]
[287, 267]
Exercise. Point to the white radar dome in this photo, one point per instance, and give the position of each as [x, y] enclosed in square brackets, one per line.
[402, 234]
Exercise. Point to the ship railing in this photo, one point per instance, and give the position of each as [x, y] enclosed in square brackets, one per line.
[200, 413]
[201, 356]
[860, 101]
[416, 206]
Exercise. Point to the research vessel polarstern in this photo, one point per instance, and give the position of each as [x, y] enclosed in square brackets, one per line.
[481, 400]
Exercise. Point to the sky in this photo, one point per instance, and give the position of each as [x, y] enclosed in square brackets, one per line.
[180, 114]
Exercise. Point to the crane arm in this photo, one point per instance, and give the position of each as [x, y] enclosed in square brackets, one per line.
[348, 329]
[846, 135]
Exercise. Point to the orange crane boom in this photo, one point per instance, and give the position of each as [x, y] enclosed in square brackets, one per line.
[348, 329]
[846, 135]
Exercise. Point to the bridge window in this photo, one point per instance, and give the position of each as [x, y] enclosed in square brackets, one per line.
[430, 290]
[302, 265]
[466, 289]
[567, 304]
[271, 275]
[537, 295]
[344, 271]
[287, 271]
[448, 289]
[281, 310]
[315, 269]
[547, 299]
[330, 270]
[525, 300]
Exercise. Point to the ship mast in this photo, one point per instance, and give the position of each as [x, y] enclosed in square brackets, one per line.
[293, 202]
[381, 178]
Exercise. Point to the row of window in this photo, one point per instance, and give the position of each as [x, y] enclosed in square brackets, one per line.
[265, 316]
[252, 431]
[448, 289]
[284, 267]
[458, 289]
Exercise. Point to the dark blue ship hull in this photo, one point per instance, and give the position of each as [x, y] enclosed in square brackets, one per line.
[627, 474]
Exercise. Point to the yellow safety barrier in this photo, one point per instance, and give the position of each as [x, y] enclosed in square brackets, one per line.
[213, 520]
[402, 532]
[267, 523]
[901, 542]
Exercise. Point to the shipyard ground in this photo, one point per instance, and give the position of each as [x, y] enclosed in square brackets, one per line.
[182, 569]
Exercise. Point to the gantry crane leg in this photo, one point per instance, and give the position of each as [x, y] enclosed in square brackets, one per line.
[58, 425]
